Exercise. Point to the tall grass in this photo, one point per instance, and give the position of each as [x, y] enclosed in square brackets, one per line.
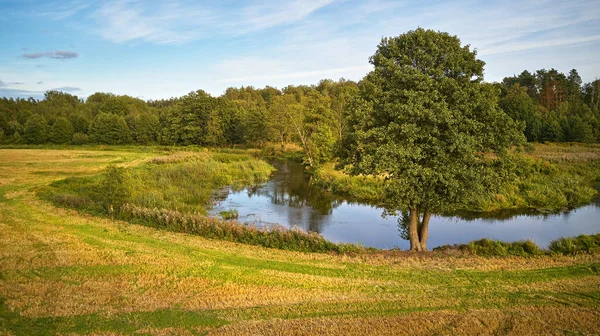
[363, 188]
[181, 181]
[273, 237]
[576, 245]
[188, 184]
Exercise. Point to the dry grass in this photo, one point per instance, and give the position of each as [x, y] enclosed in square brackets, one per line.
[558, 152]
[523, 321]
[62, 272]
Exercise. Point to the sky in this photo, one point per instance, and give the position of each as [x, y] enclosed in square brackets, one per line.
[161, 49]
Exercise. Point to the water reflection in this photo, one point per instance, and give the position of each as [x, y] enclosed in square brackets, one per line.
[290, 198]
[289, 195]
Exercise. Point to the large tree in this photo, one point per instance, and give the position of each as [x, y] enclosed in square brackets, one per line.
[425, 121]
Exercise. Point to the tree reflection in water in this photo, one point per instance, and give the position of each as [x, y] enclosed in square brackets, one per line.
[292, 189]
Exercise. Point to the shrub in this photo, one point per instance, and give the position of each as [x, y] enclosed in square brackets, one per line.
[229, 214]
[576, 245]
[490, 248]
[80, 139]
[113, 191]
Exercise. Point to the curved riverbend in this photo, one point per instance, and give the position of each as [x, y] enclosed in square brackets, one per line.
[289, 198]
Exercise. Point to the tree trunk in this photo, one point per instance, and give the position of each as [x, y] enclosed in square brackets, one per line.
[424, 232]
[413, 233]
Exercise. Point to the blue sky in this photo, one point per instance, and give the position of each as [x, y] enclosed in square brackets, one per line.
[162, 49]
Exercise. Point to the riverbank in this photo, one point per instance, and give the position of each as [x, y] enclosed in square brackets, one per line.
[66, 272]
[549, 178]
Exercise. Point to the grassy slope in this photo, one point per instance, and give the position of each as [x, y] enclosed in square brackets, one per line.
[63, 272]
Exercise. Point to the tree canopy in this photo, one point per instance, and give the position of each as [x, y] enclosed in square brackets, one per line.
[426, 122]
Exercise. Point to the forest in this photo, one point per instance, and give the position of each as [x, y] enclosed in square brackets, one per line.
[549, 106]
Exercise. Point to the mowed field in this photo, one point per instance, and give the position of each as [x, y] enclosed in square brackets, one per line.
[66, 273]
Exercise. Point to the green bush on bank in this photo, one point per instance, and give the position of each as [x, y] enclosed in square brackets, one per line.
[576, 245]
[581, 244]
[488, 247]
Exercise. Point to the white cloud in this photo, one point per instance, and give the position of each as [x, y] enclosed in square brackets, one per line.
[174, 22]
[301, 74]
[528, 45]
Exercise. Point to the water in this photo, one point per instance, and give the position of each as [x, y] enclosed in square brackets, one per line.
[289, 198]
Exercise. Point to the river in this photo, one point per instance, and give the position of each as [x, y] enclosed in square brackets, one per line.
[290, 199]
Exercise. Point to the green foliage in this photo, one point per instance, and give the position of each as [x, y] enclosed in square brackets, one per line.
[61, 131]
[144, 127]
[576, 245]
[80, 139]
[559, 109]
[36, 130]
[110, 129]
[113, 190]
[519, 106]
[582, 244]
[495, 248]
[229, 214]
[80, 123]
[364, 188]
[425, 121]
[15, 138]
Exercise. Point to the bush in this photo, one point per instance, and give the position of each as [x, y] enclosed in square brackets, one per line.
[491, 248]
[113, 191]
[229, 214]
[576, 245]
[80, 139]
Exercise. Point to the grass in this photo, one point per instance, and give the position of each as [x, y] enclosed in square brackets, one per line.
[549, 178]
[66, 272]
[229, 214]
[182, 181]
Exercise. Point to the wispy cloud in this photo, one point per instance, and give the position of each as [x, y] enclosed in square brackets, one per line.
[176, 22]
[16, 93]
[300, 74]
[4, 84]
[274, 13]
[67, 89]
[61, 10]
[529, 45]
[58, 54]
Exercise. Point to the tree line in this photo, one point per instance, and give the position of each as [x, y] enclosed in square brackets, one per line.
[548, 105]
